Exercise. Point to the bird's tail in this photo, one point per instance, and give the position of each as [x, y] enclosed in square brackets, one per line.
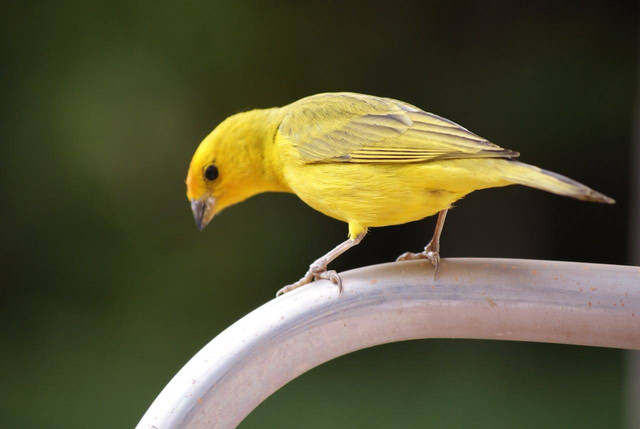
[529, 175]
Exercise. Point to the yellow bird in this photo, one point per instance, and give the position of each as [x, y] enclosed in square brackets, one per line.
[368, 161]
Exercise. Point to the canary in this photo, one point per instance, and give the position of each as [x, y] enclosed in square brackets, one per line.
[365, 160]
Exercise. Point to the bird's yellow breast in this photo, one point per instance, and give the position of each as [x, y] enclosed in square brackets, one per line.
[371, 195]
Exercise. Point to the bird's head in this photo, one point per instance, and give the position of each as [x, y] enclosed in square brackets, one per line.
[228, 166]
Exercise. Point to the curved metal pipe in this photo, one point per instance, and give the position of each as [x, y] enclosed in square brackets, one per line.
[502, 299]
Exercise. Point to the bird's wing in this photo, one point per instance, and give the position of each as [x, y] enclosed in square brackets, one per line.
[356, 128]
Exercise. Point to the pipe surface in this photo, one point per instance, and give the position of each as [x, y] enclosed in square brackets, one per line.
[501, 299]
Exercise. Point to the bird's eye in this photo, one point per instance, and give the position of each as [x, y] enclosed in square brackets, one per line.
[211, 173]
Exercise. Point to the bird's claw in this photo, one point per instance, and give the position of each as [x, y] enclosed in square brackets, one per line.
[314, 273]
[410, 256]
[308, 277]
[434, 258]
[333, 277]
[431, 255]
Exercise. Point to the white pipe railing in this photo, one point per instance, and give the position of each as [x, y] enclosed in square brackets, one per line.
[500, 299]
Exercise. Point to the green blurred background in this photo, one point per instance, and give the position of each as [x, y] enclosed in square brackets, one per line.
[108, 288]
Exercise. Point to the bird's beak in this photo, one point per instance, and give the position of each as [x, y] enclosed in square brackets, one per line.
[203, 211]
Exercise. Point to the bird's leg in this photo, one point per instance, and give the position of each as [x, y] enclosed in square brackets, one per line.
[432, 251]
[318, 270]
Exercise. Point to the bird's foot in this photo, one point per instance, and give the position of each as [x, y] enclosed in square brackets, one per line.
[316, 272]
[429, 253]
